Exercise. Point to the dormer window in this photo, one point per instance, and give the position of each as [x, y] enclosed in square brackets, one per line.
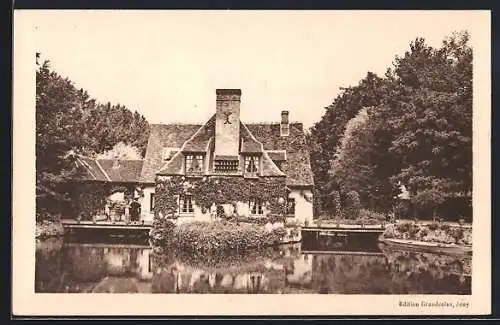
[194, 164]
[252, 164]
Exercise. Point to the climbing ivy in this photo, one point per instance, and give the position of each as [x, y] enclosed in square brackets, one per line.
[220, 190]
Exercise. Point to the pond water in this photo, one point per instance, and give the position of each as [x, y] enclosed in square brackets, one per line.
[64, 266]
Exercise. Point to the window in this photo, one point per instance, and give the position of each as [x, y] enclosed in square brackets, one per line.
[290, 206]
[194, 163]
[251, 165]
[186, 204]
[226, 166]
[256, 206]
[151, 201]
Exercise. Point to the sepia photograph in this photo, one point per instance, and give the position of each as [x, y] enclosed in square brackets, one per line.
[235, 154]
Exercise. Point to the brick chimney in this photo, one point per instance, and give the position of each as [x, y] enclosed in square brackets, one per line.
[227, 122]
[284, 125]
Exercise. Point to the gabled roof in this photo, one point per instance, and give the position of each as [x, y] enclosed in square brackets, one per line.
[297, 166]
[88, 169]
[277, 155]
[290, 153]
[102, 170]
[269, 168]
[198, 141]
[248, 143]
[127, 170]
[163, 135]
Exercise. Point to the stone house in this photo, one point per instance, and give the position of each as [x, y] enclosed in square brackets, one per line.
[190, 171]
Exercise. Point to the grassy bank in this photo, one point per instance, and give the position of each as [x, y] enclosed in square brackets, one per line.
[433, 232]
[46, 229]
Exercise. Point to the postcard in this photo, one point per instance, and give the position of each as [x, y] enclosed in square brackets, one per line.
[235, 162]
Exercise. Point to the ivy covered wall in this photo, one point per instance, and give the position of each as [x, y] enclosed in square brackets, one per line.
[219, 190]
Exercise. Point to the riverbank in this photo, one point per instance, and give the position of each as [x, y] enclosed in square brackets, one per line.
[430, 236]
[47, 229]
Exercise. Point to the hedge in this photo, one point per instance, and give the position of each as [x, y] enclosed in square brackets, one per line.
[200, 237]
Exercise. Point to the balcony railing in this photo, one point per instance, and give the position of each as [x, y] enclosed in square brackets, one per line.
[226, 167]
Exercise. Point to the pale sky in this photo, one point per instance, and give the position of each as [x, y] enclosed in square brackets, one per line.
[167, 64]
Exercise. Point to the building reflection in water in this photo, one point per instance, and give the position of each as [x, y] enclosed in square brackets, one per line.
[133, 268]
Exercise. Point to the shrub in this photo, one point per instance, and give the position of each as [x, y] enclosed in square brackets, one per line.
[430, 233]
[337, 204]
[445, 227]
[414, 229]
[365, 214]
[457, 233]
[48, 228]
[433, 226]
[408, 230]
[162, 232]
[353, 205]
[392, 232]
[439, 236]
[272, 218]
[293, 223]
[404, 226]
[422, 233]
[200, 237]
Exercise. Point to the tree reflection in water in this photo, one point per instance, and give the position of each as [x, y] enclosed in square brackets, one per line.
[72, 267]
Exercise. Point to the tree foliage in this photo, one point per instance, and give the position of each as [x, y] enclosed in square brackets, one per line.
[69, 120]
[122, 151]
[412, 127]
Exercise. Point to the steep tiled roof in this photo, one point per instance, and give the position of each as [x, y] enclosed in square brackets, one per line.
[277, 155]
[254, 137]
[269, 168]
[168, 135]
[297, 166]
[200, 140]
[174, 166]
[89, 170]
[101, 170]
[127, 170]
[248, 142]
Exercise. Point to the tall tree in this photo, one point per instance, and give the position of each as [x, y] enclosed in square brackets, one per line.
[433, 127]
[57, 117]
[417, 130]
[121, 151]
[68, 119]
[326, 134]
